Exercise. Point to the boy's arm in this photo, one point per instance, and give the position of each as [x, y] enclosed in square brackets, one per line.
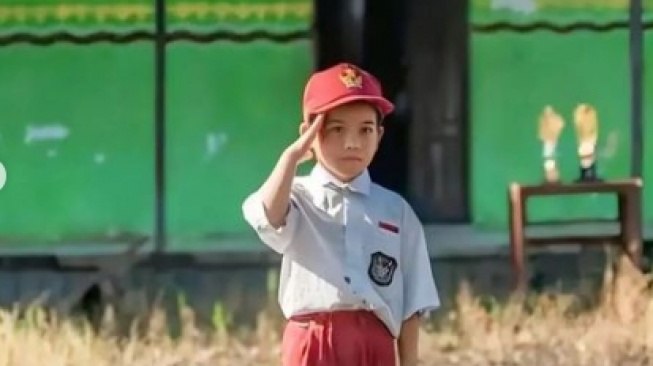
[420, 292]
[408, 342]
[275, 191]
[268, 208]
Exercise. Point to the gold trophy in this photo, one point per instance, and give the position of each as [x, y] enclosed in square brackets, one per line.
[551, 124]
[587, 131]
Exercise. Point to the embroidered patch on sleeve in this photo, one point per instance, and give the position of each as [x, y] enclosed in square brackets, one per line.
[382, 268]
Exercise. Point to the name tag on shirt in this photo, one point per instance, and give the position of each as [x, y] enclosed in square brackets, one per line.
[389, 227]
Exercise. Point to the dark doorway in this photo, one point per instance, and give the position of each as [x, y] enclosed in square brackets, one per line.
[383, 56]
[370, 34]
[437, 49]
[338, 33]
[422, 65]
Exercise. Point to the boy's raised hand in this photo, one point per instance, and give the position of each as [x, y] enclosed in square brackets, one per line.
[300, 150]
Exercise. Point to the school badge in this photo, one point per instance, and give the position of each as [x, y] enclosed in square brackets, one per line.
[382, 268]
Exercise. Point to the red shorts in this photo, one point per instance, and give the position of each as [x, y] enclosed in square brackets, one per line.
[342, 338]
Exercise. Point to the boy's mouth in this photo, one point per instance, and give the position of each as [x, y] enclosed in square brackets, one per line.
[351, 158]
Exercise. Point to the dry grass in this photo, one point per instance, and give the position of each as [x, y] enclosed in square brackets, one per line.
[615, 328]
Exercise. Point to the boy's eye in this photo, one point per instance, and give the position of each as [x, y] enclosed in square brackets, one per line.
[368, 129]
[337, 129]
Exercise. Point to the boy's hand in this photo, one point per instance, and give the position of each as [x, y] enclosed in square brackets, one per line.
[300, 150]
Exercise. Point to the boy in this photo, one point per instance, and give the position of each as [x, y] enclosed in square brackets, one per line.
[355, 273]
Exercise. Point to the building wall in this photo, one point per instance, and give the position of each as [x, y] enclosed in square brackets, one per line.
[77, 110]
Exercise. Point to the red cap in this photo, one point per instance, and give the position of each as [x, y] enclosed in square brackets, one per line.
[340, 84]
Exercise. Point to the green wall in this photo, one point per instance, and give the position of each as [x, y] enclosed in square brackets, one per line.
[239, 16]
[514, 75]
[231, 107]
[76, 139]
[231, 111]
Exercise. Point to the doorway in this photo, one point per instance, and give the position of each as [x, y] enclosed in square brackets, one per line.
[438, 60]
[370, 34]
[422, 65]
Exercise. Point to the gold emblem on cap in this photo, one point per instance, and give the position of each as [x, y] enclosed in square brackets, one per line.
[351, 78]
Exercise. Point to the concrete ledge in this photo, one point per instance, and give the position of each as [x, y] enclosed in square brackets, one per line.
[444, 241]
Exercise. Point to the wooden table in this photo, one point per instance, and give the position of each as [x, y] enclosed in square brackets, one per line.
[629, 217]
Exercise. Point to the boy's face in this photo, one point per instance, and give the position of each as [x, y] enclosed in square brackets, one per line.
[349, 140]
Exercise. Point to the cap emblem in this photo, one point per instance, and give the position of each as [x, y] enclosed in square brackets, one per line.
[351, 78]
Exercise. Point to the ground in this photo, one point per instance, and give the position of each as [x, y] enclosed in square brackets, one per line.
[613, 326]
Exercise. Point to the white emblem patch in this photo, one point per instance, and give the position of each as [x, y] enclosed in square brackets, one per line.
[382, 268]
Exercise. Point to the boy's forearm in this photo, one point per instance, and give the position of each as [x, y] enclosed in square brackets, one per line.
[408, 361]
[408, 342]
[275, 191]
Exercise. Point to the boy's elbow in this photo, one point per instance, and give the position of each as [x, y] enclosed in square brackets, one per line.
[253, 210]
[275, 217]
[249, 210]
[275, 233]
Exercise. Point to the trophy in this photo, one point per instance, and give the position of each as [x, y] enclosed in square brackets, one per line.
[587, 133]
[551, 124]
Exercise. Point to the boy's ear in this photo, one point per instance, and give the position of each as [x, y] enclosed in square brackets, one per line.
[381, 131]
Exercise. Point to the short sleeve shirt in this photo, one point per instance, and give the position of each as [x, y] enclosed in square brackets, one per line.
[348, 246]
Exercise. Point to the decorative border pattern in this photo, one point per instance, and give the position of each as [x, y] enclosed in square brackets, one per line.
[22, 14]
[130, 13]
[252, 11]
[608, 5]
[555, 28]
[174, 36]
[583, 4]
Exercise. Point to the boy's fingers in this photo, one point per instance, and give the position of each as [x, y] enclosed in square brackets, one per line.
[319, 119]
[313, 129]
[303, 144]
[315, 126]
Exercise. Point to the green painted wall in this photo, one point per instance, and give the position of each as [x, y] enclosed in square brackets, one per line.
[231, 111]
[76, 139]
[231, 108]
[514, 75]
[87, 172]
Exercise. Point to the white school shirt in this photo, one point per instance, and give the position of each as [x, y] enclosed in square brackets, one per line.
[348, 246]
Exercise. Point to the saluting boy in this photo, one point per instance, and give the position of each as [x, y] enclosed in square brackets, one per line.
[355, 273]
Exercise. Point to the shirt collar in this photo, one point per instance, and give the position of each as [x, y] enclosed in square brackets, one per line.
[360, 184]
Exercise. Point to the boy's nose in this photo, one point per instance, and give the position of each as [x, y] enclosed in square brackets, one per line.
[352, 142]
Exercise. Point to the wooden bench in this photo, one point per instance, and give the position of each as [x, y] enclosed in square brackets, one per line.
[629, 217]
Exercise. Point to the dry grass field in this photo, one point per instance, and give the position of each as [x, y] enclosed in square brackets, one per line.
[615, 327]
